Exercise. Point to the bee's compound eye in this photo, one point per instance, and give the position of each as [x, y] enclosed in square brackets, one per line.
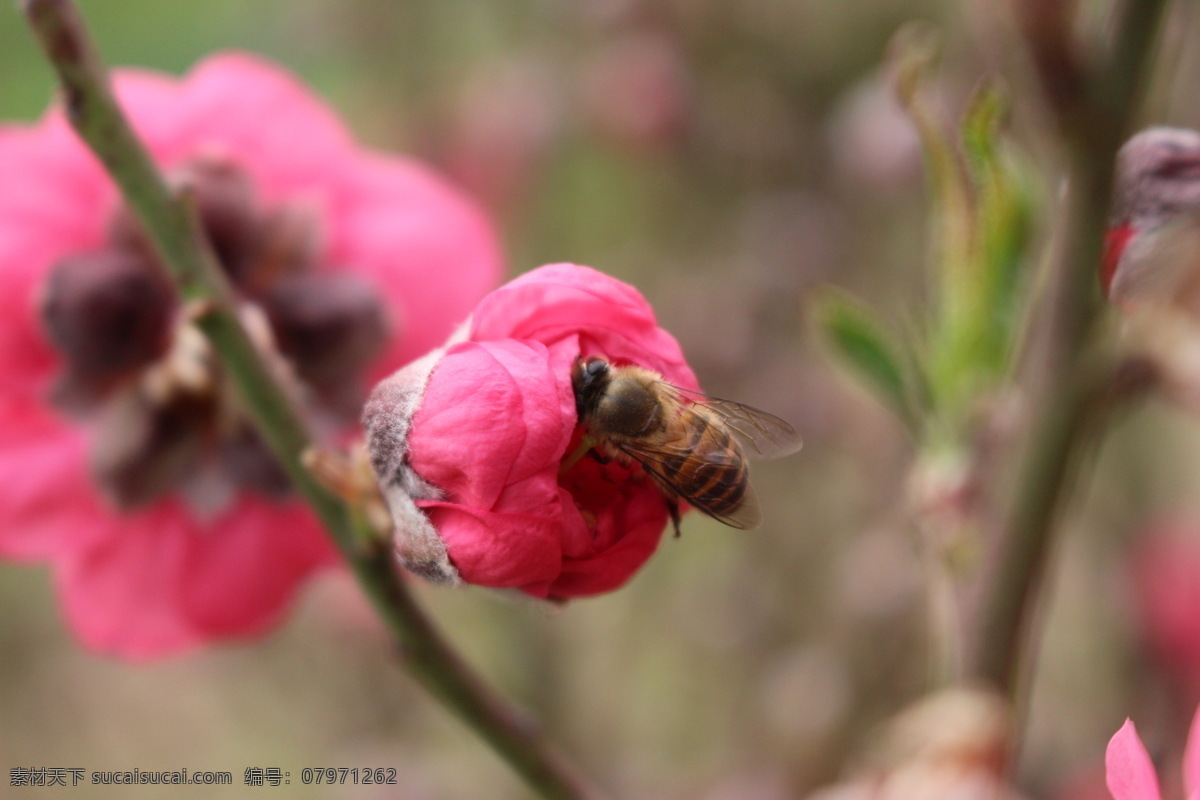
[595, 366]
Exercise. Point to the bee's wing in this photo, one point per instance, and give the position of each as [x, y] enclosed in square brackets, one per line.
[760, 434]
[655, 457]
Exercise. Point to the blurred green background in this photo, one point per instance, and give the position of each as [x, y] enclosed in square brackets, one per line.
[725, 157]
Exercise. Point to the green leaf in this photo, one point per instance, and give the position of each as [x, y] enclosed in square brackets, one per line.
[1004, 220]
[867, 349]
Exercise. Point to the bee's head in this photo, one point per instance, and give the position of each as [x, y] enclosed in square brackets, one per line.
[589, 376]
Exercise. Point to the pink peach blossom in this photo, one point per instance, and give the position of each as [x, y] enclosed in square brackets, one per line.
[492, 428]
[1130, 773]
[352, 261]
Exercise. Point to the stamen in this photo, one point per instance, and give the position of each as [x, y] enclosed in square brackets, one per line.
[139, 370]
[586, 443]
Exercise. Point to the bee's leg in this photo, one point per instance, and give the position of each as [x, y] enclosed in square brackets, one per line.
[673, 507]
[600, 457]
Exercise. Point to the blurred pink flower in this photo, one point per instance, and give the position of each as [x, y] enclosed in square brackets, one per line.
[638, 91]
[1150, 267]
[1131, 774]
[491, 430]
[1166, 576]
[501, 130]
[126, 462]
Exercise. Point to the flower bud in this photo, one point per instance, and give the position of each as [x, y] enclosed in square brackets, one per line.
[1149, 252]
[470, 444]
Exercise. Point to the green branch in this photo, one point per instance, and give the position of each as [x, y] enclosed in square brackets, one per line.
[183, 249]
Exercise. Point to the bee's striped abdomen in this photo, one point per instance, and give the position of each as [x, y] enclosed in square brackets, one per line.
[711, 472]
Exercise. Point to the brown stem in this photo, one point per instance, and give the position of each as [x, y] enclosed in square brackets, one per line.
[1093, 103]
[183, 249]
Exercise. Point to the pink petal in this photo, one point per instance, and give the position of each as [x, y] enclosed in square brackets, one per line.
[400, 225]
[1191, 759]
[49, 506]
[561, 298]
[547, 410]
[245, 107]
[491, 432]
[502, 550]
[500, 315]
[120, 595]
[241, 570]
[596, 312]
[493, 415]
[634, 528]
[53, 188]
[160, 583]
[51, 204]
[1130, 774]
[27, 362]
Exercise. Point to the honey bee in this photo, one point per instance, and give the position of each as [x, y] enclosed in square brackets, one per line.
[695, 447]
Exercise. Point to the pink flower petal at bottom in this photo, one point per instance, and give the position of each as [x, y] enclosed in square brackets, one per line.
[1129, 770]
[118, 595]
[160, 583]
[1191, 760]
[242, 569]
[50, 505]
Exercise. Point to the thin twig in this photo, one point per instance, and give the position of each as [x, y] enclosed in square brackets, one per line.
[1094, 109]
[184, 250]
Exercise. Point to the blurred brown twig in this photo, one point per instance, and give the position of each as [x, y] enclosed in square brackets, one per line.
[1093, 98]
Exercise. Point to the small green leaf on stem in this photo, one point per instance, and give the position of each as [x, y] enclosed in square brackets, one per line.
[867, 349]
